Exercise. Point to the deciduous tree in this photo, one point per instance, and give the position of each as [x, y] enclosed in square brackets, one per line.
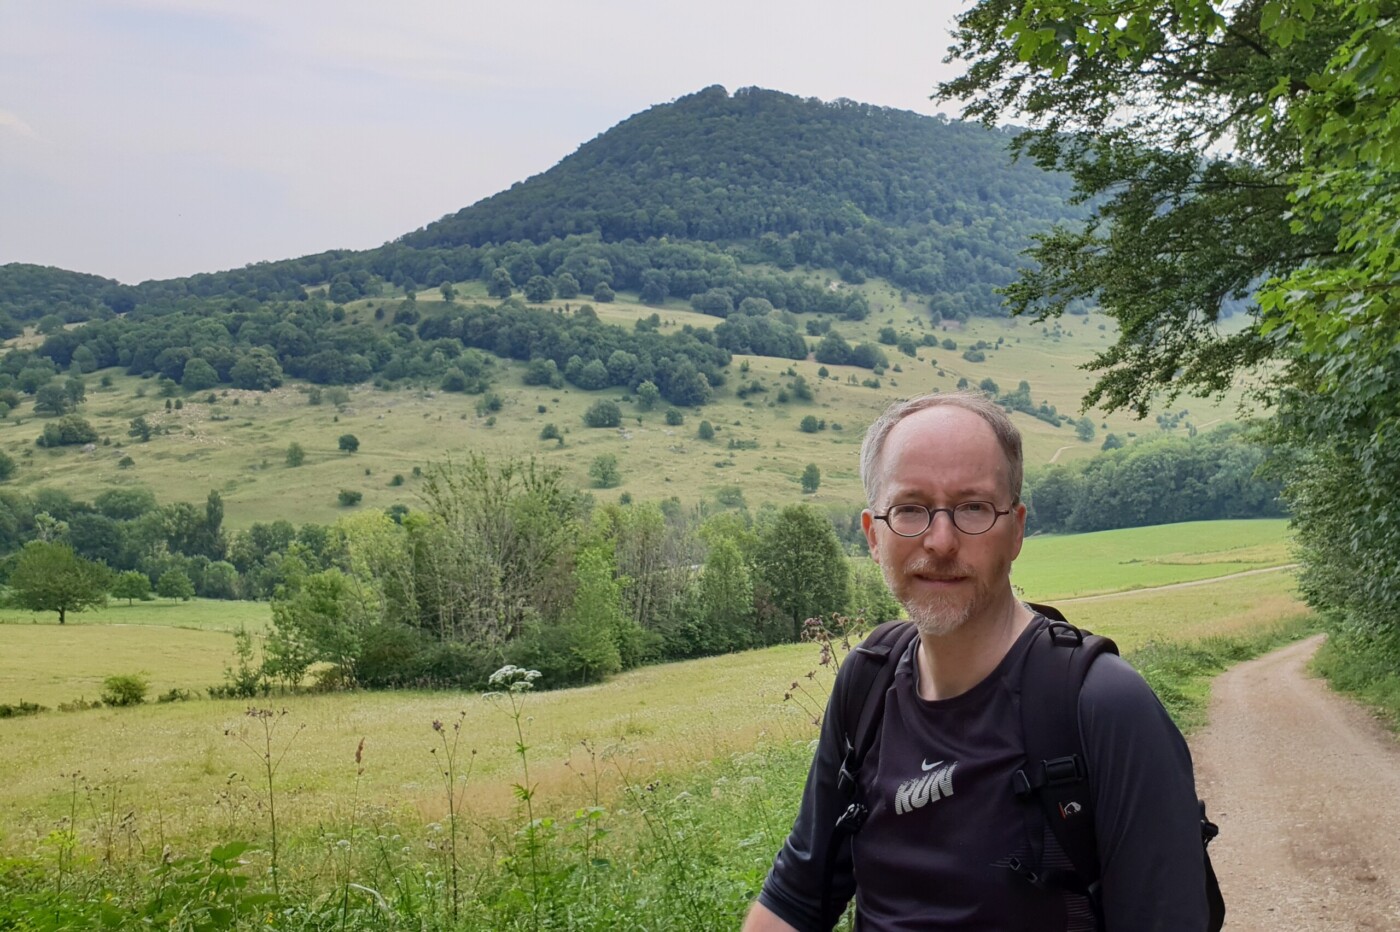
[50, 577]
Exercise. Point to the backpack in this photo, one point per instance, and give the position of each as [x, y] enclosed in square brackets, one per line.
[1055, 775]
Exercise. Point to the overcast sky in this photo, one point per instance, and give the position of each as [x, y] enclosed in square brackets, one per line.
[157, 138]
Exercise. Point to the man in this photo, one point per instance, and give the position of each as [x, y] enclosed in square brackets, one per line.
[942, 476]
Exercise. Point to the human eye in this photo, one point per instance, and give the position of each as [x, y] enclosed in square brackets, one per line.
[974, 508]
[907, 510]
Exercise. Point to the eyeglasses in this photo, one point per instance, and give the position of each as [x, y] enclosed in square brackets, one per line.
[969, 518]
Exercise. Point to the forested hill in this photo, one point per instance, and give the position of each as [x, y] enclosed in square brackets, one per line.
[932, 205]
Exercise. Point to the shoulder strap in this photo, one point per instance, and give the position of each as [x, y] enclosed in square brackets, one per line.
[1056, 773]
[858, 701]
[863, 700]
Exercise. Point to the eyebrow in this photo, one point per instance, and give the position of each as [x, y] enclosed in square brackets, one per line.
[965, 494]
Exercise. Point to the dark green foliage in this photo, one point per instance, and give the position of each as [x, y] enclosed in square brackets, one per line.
[7, 466]
[538, 289]
[706, 431]
[876, 191]
[348, 497]
[296, 455]
[348, 443]
[550, 432]
[1207, 477]
[603, 413]
[811, 478]
[800, 560]
[810, 424]
[674, 417]
[69, 430]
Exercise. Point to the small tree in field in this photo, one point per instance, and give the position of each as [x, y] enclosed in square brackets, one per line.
[296, 455]
[174, 584]
[604, 471]
[811, 478]
[51, 578]
[132, 585]
[349, 443]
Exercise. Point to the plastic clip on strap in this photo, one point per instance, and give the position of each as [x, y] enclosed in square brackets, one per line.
[1057, 772]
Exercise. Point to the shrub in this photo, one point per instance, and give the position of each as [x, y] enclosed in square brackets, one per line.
[706, 431]
[296, 455]
[674, 417]
[124, 690]
[348, 497]
[603, 414]
[349, 443]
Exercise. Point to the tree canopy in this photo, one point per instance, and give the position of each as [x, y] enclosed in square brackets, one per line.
[1234, 156]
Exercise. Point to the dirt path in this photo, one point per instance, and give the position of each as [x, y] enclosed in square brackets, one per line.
[1306, 789]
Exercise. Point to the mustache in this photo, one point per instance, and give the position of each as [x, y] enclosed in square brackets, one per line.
[937, 568]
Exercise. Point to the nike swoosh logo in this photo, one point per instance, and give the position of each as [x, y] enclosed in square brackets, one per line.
[927, 766]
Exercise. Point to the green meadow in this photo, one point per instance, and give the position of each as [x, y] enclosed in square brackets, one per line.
[237, 443]
[660, 717]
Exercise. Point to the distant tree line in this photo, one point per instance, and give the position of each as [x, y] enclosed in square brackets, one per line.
[587, 353]
[1163, 480]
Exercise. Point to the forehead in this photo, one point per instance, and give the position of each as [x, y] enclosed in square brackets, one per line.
[943, 452]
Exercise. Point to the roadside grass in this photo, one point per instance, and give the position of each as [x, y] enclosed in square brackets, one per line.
[1366, 667]
[237, 444]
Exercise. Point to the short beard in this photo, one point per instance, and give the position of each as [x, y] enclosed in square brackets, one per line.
[940, 616]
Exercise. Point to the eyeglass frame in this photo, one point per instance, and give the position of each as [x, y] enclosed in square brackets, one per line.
[997, 514]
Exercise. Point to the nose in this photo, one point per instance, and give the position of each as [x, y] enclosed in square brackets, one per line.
[942, 534]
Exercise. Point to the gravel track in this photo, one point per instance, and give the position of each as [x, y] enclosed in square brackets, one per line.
[1306, 788]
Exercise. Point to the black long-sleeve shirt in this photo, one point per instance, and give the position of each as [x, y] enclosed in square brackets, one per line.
[944, 822]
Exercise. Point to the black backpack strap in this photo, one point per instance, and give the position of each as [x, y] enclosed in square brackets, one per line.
[1056, 775]
[858, 702]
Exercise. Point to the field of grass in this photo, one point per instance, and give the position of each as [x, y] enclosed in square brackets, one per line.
[654, 800]
[237, 444]
[1060, 567]
[173, 645]
[653, 720]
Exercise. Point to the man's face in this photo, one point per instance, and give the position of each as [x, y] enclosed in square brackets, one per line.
[941, 457]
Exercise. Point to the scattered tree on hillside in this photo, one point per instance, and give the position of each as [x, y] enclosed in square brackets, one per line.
[348, 443]
[811, 478]
[296, 454]
[604, 471]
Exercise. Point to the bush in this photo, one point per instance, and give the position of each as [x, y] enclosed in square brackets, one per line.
[674, 417]
[603, 414]
[706, 431]
[296, 455]
[348, 497]
[124, 690]
[349, 443]
[20, 708]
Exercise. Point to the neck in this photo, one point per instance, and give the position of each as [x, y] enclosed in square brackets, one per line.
[951, 664]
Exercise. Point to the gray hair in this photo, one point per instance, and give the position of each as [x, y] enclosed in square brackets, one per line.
[978, 403]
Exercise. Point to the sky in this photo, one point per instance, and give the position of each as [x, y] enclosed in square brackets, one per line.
[146, 139]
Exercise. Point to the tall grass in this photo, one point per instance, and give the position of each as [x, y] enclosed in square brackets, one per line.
[1366, 666]
[638, 843]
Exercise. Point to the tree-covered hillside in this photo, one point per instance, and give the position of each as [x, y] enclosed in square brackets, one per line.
[745, 193]
[935, 206]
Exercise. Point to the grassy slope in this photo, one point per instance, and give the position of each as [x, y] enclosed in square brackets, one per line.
[239, 449]
[658, 719]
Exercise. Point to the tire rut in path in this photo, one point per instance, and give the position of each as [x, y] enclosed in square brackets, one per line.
[1306, 788]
